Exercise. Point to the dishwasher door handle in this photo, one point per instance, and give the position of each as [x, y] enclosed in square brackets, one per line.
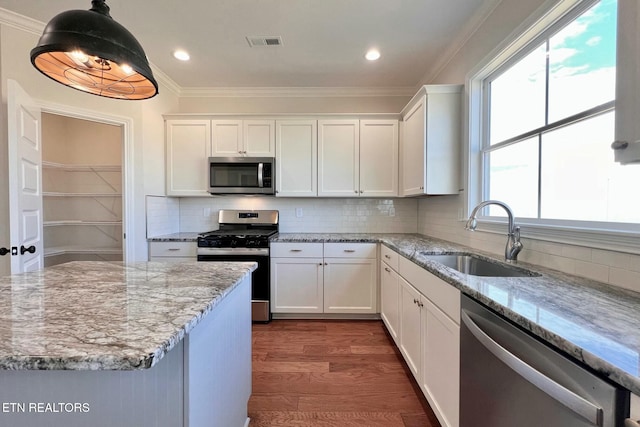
[577, 404]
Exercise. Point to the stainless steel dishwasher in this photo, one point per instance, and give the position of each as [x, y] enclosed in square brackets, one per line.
[509, 378]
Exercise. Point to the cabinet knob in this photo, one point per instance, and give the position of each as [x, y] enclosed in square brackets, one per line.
[4, 251]
[326, 263]
[387, 256]
[320, 264]
[355, 191]
[420, 304]
[415, 301]
[387, 270]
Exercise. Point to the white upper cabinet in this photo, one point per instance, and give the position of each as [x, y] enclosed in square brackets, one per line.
[238, 138]
[379, 158]
[430, 142]
[358, 158]
[188, 147]
[296, 158]
[338, 158]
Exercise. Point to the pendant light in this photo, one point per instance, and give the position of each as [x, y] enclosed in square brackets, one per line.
[89, 51]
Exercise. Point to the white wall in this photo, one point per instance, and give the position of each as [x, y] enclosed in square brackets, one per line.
[438, 216]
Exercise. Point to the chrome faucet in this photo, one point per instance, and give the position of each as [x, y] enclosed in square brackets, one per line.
[514, 246]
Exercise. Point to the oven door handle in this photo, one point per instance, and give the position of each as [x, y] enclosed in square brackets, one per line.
[234, 251]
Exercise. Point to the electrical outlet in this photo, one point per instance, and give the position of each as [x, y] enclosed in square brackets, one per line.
[206, 212]
[392, 211]
[299, 213]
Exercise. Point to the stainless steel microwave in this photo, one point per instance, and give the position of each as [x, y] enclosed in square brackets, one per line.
[242, 175]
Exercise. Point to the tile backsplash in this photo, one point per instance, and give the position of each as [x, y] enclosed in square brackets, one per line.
[317, 215]
[163, 215]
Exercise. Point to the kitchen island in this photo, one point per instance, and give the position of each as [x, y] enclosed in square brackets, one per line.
[113, 344]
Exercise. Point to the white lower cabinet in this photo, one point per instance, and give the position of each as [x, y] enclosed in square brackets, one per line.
[172, 251]
[427, 330]
[441, 364]
[390, 299]
[296, 285]
[410, 325]
[323, 278]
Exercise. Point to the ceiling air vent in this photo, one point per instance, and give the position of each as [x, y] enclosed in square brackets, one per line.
[264, 41]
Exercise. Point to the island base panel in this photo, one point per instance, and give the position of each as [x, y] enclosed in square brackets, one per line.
[204, 381]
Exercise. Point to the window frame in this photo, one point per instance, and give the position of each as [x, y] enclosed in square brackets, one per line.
[542, 24]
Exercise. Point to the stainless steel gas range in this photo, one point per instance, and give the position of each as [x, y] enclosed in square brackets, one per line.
[244, 236]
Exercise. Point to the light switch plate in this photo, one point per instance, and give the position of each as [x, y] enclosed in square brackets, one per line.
[299, 213]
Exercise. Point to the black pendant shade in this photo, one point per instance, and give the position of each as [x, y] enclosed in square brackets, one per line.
[89, 51]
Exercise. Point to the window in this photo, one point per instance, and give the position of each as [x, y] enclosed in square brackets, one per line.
[548, 123]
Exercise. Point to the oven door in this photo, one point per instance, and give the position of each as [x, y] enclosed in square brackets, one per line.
[260, 278]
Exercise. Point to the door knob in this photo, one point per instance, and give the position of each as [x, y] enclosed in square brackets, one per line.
[31, 249]
[4, 251]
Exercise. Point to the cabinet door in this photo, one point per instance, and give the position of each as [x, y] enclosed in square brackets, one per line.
[413, 150]
[227, 138]
[296, 285]
[410, 327]
[379, 158]
[350, 285]
[296, 158]
[390, 299]
[188, 147]
[338, 154]
[441, 364]
[259, 138]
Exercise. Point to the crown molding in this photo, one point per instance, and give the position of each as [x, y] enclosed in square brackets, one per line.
[21, 22]
[294, 92]
[469, 29]
[163, 79]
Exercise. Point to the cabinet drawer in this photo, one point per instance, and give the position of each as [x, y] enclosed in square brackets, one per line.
[296, 250]
[172, 249]
[443, 295]
[390, 257]
[350, 250]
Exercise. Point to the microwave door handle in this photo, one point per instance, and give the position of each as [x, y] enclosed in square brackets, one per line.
[260, 169]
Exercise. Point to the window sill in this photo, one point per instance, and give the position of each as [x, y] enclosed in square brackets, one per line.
[619, 240]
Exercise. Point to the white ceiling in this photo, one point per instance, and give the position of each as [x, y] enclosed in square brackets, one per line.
[324, 41]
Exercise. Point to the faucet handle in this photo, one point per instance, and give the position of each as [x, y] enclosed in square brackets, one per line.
[516, 233]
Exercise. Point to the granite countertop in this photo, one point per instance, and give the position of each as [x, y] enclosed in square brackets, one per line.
[175, 237]
[595, 323]
[107, 315]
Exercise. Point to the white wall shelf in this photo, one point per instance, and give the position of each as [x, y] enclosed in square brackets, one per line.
[63, 250]
[81, 168]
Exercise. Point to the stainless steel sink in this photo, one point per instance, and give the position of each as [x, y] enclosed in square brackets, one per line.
[475, 266]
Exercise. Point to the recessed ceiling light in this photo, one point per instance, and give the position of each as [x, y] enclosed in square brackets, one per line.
[372, 55]
[182, 55]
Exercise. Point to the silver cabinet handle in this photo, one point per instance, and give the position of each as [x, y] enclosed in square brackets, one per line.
[577, 404]
[349, 250]
[173, 249]
[295, 250]
[619, 145]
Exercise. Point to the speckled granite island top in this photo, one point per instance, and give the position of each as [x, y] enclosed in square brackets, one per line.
[595, 323]
[107, 315]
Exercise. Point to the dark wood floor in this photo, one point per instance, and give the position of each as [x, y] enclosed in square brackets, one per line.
[332, 374]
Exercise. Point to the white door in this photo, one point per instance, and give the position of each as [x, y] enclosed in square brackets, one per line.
[410, 326]
[226, 138]
[25, 180]
[259, 138]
